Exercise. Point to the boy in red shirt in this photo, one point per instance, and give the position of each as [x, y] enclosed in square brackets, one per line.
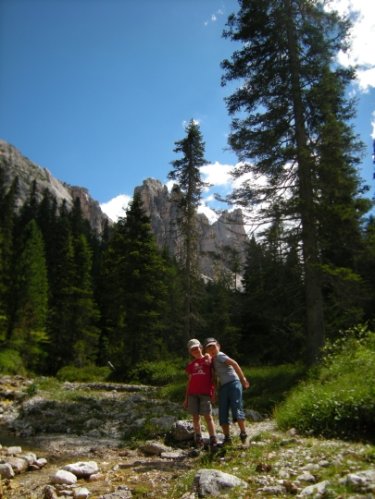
[200, 392]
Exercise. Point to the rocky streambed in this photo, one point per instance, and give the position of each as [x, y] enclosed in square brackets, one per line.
[120, 441]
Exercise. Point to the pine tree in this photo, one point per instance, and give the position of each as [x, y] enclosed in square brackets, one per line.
[187, 174]
[73, 313]
[294, 131]
[29, 335]
[136, 285]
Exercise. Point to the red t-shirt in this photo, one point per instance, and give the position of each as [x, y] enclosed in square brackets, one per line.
[200, 377]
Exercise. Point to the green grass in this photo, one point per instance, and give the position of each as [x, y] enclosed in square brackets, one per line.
[338, 400]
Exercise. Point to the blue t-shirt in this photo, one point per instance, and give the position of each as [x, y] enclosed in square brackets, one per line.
[223, 371]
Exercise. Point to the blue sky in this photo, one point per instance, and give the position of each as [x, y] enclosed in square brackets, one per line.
[98, 91]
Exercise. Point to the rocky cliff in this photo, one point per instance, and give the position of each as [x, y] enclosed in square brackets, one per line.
[221, 245]
[14, 164]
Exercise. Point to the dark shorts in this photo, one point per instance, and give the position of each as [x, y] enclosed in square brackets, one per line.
[199, 404]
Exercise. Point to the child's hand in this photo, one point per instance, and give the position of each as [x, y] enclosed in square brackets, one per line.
[185, 403]
[245, 383]
[208, 358]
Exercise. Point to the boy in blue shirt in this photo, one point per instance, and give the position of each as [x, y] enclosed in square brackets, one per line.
[231, 383]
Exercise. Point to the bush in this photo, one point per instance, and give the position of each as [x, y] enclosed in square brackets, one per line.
[11, 362]
[339, 398]
[83, 374]
[269, 385]
[158, 373]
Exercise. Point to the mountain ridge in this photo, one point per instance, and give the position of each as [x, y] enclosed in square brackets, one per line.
[221, 244]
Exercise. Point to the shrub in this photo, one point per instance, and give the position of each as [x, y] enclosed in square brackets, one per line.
[339, 398]
[158, 373]
[11, 362]
[269, 385]
[83, 374]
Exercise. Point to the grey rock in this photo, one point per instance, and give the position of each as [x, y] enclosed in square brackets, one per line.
[182, 431]
[214, 482]
[82, 469]
[63, 477]
[18, 464]
[6, 470]
[122, 492]
[218, 244]
[81, 493]
[14, 164]
[317, 490]
[361, 481]
[154, 447]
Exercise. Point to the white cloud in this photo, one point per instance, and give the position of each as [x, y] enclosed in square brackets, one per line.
[373, 126]
[115, 208]
[209, 212]
[217, 173]
[362, 51]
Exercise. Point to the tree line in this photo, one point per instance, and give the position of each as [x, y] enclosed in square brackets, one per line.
[69, 297]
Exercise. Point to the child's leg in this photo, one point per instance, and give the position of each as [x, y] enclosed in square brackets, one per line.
[196, 424]
[210, 424]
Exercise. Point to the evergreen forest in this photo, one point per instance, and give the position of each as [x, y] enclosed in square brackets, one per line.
[71, 297]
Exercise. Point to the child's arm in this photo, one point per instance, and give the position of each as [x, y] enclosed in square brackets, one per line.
[185, 402]
[239, 372]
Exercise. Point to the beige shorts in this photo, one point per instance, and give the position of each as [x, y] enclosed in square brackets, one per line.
[199, 404]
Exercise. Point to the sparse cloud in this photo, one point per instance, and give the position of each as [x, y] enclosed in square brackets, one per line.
[214, 17]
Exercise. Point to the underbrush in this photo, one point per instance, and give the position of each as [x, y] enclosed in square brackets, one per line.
[338, 400]
[83, 374]
[269, 385]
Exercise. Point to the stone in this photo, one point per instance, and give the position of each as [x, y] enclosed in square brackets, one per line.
[213, 482]
[361, 481]
[182, 431]
[6, 470]
[81, 493]
[18, 464]
[64, 477]
[154, 447]
[317, 490]
[82, 469]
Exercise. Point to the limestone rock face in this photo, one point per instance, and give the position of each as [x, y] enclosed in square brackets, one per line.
[14, 164]
[221, 245]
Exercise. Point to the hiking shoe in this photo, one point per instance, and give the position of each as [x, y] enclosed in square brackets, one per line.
[198, 440]
[213, 444]
[227, 440]
[243, 437]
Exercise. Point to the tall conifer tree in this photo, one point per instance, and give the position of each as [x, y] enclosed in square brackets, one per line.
[187, 174]
[136, 286]
[30, 334]
[291, 127]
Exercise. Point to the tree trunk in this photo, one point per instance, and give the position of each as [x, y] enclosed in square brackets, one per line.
[313, 291]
